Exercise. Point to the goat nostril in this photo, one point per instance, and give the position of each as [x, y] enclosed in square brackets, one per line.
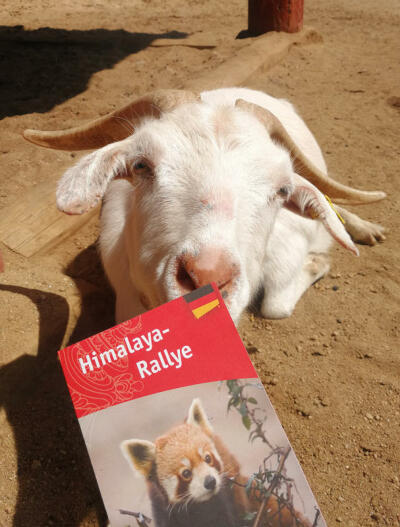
[183, 277]
[210, 482]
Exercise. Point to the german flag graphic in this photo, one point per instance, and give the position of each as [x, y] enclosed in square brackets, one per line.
[202, 301]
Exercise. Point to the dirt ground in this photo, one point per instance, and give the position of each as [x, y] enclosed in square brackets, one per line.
[331, 370]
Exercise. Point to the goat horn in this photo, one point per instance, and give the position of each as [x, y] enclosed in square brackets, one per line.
[114, 126]
[337, 191]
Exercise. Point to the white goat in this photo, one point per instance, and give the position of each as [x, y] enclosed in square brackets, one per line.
[218, 187]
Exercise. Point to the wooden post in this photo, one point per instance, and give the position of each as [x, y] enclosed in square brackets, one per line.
[275, 15]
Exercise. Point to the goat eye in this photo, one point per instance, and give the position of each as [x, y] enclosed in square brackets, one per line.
[283, 192]
[142, 168]
[187, 474]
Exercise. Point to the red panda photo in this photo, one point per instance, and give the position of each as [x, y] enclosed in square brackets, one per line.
[194, 481]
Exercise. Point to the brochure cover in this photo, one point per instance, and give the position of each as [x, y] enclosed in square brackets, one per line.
[178, 426]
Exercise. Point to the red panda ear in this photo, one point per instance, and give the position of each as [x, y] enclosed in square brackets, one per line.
[140, 454]
[198, 417]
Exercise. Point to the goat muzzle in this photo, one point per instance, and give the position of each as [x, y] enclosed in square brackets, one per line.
[209, 265]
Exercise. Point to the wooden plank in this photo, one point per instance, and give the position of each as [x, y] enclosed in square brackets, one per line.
[33, 224]
[204, 40]
[257, 57]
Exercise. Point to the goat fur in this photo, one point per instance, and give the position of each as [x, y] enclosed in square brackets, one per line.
[213, 180]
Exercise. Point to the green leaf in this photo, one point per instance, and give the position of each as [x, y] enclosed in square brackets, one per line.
[246, 421]
[249, 516]
[243, 409]
[249, 484]
[252, 400]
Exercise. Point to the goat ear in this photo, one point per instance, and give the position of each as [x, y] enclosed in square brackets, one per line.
[83, 185]
[140, 454]
[197, 416]
[309, 202]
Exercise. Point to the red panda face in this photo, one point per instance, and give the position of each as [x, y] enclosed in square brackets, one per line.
[185, 461]
[189, 467]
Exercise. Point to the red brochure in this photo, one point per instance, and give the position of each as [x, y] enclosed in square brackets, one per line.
[178, 426]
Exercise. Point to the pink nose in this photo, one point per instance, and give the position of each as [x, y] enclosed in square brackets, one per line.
[210, 265]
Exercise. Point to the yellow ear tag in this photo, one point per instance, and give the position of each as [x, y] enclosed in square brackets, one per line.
[328, 199]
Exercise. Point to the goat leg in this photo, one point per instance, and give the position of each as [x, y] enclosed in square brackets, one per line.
[361, 231]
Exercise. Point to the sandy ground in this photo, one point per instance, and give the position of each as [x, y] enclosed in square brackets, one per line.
[331, 370]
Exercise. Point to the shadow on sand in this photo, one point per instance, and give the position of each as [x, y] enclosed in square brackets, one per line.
[45, 67]
[56, 484]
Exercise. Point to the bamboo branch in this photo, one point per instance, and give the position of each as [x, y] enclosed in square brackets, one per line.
[315, 522]
[271, 487]
[268, 483]
[142, 520]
